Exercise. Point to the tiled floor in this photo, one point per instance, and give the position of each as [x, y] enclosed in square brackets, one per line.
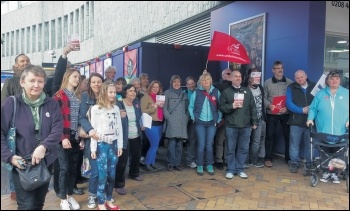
[266, 188]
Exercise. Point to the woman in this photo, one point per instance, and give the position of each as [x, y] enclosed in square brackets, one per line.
[330, 110]
[131, 139]
[68, 149]
[204, 112]
[155, 110]
[143, 82]
[176, 117]
[88, 99]
[34, 111]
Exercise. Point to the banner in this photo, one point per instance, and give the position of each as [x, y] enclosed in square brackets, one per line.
[226, 48]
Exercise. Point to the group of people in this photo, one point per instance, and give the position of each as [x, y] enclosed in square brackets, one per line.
[229, 115]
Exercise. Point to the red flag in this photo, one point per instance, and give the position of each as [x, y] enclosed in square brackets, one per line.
[224, 47]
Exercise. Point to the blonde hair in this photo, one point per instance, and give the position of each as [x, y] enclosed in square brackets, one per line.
[203, 77]
[149, 89]
[102, 100]
[66, 76]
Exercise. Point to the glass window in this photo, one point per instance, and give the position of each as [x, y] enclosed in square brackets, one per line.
[337, 56]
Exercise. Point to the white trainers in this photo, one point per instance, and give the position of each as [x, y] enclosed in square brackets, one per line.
[65, 205]
[193, 165]
[243, 175]
[229, 175]
[91, 202]
[335, 178]
[74, 204]
[325, 177]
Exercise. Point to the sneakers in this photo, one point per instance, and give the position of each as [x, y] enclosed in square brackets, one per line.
[192, 165]
[91, 202]
[293, 167]
[243, 175]
[335, 178]
[258, 164]
[178, 167]
[229, 175]
[325, 177]
[200, 170]
[268, 163]
[170, 167]
[246, 165]
[65, 205]
[210, 169]
[73, 204]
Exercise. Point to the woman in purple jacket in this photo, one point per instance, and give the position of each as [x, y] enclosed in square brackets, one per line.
[37, 116]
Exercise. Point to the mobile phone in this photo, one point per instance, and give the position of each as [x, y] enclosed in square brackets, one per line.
[21, 163]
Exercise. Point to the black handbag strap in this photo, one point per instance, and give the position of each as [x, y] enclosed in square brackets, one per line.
[177, 104]
[14, 112]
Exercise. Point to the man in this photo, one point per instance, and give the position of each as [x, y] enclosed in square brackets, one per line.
[220, 132]
[238, 105]
[13, 87]
[110, 73]
[273, 87]
[299, 98]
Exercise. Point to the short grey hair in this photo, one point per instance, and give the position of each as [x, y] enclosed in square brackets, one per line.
[134, 80]
[110, 69]
[36, 70]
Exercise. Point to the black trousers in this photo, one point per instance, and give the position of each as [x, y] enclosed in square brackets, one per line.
[29, 200]
[145, 144]
[68, 161]
[120, 169]
[271, 126]
[135, 155]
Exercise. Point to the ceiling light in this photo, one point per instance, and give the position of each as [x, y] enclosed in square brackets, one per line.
[342, 41]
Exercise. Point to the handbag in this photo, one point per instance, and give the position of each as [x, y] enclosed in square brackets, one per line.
[35, 176]
[11, 136]
[81, 131]
[85, 168]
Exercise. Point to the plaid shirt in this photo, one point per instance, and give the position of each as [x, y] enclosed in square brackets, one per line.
[63, 101]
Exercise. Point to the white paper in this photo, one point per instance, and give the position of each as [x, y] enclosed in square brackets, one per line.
[320, 85]
[146, 120]
[160, 98]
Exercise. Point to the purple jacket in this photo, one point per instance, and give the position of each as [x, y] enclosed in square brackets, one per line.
[51, 128]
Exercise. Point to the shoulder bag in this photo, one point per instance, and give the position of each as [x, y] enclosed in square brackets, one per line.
[34, 176]
[11, 136]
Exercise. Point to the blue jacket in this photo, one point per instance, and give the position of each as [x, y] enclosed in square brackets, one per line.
[201, 108]
[330, 119]
[85, 104]
[26, 142]
[125, 121]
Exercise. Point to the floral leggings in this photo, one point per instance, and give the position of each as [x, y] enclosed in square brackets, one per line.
[106, 162]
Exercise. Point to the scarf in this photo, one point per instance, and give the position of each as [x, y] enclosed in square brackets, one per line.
[34, 107]
[159, 109]
[176, 91]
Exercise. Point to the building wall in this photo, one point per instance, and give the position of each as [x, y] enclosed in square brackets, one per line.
[112, 24]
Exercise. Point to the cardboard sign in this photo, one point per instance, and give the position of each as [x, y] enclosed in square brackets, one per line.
[279, 102]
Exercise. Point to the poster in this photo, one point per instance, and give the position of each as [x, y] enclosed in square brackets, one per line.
[99, 67]
[74, 41]
[87, 71]
[251, 33]
[130, 68]
[320, 85]
[106, 63]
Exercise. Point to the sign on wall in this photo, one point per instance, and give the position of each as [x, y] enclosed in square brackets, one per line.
[251, 33]
[130, 68]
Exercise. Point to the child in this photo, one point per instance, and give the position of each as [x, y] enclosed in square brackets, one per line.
[68, 149]
[106, 120]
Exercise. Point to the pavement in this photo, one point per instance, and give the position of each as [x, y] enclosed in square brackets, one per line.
[266, 189]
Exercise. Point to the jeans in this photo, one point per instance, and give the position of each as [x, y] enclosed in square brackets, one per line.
[299, 135]
[93, 180]
[271, 125]
[174, 151]
[106, 162]
[205, 139]
[12, 186]
[191, 143]
[56, 176]
[256, 143]
[29, 200]
[237, 147]
[154, 134]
